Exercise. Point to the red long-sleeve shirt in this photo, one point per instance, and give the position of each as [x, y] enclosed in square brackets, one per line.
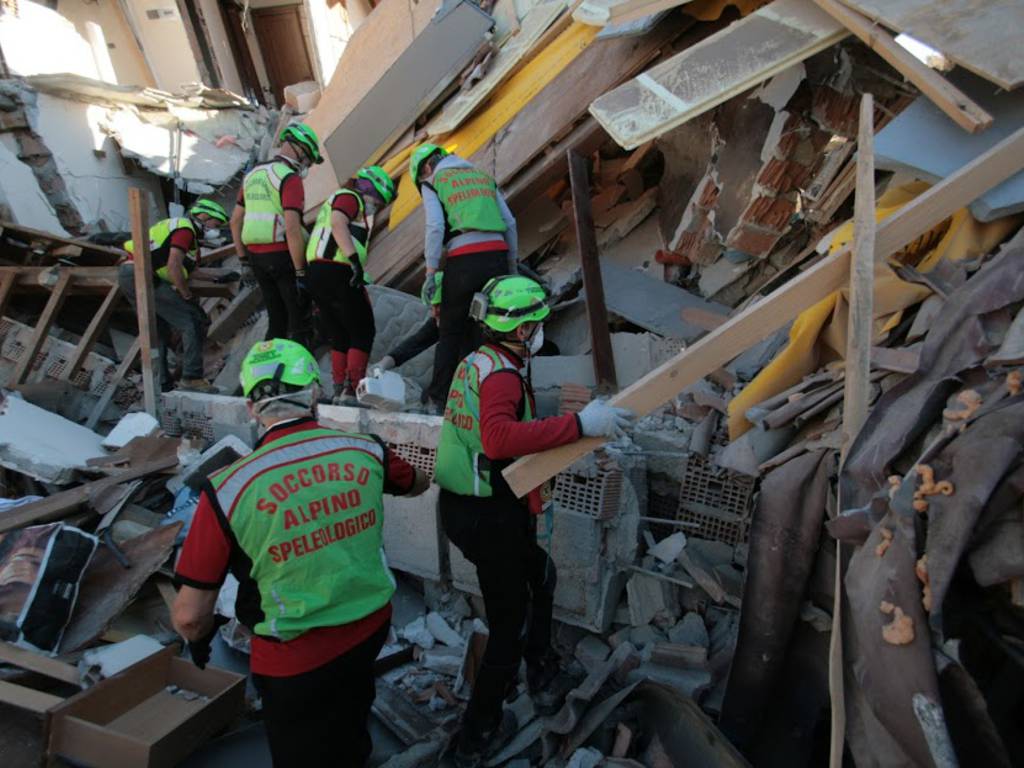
[502, 433]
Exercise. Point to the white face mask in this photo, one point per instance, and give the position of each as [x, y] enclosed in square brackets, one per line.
[370, 206]
[212, 234]
[537, 340]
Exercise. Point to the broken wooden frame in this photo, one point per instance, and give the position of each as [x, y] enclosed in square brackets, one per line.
[767, 316]
[145, 305]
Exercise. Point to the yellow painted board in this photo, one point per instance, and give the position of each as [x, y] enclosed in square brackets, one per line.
[504, 104]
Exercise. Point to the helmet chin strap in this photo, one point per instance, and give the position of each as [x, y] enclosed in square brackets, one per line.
[306, 394]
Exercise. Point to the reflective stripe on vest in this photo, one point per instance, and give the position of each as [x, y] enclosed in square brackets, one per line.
[160, 247]
[264, 215]
[322, 236]
[307, 511]
[470, 200]
[461, 466]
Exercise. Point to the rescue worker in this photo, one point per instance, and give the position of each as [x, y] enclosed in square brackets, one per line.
[489, 422]
[337, 279]
[299, 524]
[469, 222]
[174, 251]
[267, 225]
[423, 337]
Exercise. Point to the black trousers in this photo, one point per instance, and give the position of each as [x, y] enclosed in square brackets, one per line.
[319, 718]
[346, 317]
[275, 275]
[457, 334]
[517, 578]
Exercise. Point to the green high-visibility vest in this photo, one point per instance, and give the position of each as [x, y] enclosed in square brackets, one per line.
[160, 246]
[321, 243]
[461, 465]
[307, 511]
[470, 200]
[264, 214]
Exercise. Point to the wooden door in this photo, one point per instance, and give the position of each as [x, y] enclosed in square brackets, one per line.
[279, 32]
[231, 14]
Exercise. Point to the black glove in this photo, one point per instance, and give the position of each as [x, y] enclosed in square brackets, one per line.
[357, 275]
[199, 649]
[300, 284]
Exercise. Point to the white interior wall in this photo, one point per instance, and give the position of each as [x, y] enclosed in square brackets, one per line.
[332, 27]
[22, 39]
[165, 43]
[129, 64]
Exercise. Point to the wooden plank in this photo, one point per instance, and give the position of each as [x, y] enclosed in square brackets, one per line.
[601, 13]
[947, 97]
[586, 239]
[11, 230]
[27, 698]
[98, 280]
[145, 306]
[714, 70]
[88, 340]
[64, 503]
[856, 385]
[53, 306]
[35, 662]
[248, 300]
[979, 36]
[115, 382]
[764, 318]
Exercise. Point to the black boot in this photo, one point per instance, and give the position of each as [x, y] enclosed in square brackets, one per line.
[548, 684]
[475, 745]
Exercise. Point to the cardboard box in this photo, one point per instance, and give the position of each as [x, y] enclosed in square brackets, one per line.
[132, 720]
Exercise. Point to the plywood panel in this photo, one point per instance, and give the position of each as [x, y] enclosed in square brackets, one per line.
[373, 48]
[714, 70]
[980, 35]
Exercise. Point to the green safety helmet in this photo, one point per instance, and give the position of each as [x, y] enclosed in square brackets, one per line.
[305, 137]
[210, 208]
[275, 362]
[381, 182]
[435, 298]
[419, 155]
[507, 302]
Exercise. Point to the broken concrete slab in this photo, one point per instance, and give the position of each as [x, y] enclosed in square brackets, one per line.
[591, 651]
[647, 599]
[412, 534]
[131, 425]
[690, 630]
[633, 353]
[222, 453]
[442, 632]
[653, 304]
[925, 142]
[210, 417]
[668, 549]
[42, 444]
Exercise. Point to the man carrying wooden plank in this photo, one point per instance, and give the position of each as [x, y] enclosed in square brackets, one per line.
[469, 222]
[174, 245]
[488, 422]
[267, 224]
[299, 523]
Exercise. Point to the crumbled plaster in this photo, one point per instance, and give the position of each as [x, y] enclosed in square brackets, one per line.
[21, 199]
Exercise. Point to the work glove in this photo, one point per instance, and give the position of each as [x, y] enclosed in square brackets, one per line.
[386, 363]
[200, 649]
[429, 286]
[600, 419]
[357, 280]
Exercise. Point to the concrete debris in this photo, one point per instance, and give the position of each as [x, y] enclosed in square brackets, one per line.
[690, 630]
[108, 660]
[43, 445]
[591, 651]
[416, 632]
[585, 757]
[668, 549]
[443, 633]
[138, 424]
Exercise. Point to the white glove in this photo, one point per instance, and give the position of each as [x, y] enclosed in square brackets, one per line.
[386, 363]
[599, 419]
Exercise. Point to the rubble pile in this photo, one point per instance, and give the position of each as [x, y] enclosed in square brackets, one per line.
[751, 563]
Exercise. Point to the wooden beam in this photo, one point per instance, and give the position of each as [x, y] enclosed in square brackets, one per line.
[145, 305]
[42, 329]
[115, 382]
[11, 230]
[764, 318]
[28, 698]
[97, 280]
[961, 110]
[88, 340]
[35, 662]
[227, 323]
[593, 285]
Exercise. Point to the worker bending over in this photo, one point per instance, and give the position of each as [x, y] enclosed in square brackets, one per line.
[174, 252]
[299, 524]
[336, 277]
[489, 421]
[469, 222]
[267, 225]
